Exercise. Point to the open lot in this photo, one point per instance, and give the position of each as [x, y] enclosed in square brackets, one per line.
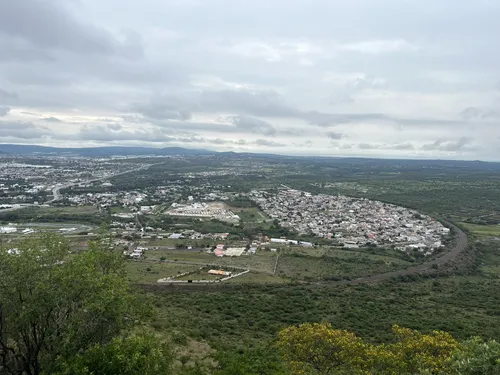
[148, 272]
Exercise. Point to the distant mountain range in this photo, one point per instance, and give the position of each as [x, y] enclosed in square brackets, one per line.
[33, 150]
[98, 151]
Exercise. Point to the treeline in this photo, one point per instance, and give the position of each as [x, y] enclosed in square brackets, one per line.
[28, 215]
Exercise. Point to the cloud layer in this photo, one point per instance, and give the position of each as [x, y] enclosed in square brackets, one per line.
[379, 78]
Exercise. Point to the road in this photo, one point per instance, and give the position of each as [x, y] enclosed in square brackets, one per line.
[56, 192]
[462, 242]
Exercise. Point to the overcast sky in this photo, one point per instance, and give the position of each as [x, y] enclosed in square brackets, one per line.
[383, 78]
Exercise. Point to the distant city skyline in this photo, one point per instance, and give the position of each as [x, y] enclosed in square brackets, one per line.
[365, 78]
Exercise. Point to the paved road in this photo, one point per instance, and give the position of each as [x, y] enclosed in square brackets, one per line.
[56, 192]
[461, 244]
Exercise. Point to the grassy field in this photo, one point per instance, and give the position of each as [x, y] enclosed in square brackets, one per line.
[181, 255]
[148, 272]
[262, 262]
[75, 210]
[482, 230]
[257, 278]
[119, 210]
[202, 275]
[337, 266]
[252, 215]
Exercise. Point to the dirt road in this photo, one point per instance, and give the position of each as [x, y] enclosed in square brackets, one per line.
[461, 244]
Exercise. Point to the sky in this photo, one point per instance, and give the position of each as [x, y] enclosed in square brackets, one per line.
[372, 78]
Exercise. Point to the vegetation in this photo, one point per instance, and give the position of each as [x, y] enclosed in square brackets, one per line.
[63, 313]
[59, 311]
[143, 354]
[320, 349]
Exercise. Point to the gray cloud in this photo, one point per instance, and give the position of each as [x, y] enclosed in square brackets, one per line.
[396, 146]
[293, 132]
[7, 97]
[443, 145]
[105, 134]
[268, 103]
[473, 113]
[368, 146]
[173, 77]
[4, 111]
[174, 127]
[48, 25]
[252, 125]
[265, 103]
[22, 130]
[111, 133]
[268, 143]
[334, 135]
[164, 108]
[51, 119]
[115, 127]
[403, 146]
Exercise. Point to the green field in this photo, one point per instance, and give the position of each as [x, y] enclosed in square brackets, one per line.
[252, 215]
[335, 266]
[148, 272]
[119, 210]
[202, 275]
[181, 255]
[482, 230]
[257, 278]
[74, 210]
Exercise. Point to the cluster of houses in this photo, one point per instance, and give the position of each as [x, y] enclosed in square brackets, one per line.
[21, 182]
[131, 199]
[354, 222]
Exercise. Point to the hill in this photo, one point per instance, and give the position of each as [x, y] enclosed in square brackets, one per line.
[98, 151]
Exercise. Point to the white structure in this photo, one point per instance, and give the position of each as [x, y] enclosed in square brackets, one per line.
[7, 230]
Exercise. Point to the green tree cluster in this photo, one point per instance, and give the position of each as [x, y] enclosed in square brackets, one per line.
[318, 348]
[60, 310]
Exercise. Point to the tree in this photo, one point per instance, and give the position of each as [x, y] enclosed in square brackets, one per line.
[320, 349]
[416, 353]
[53, 305]
[317, 348]
[143, 354]
[477, 357]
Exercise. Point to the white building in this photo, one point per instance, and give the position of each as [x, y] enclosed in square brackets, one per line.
[8, 230]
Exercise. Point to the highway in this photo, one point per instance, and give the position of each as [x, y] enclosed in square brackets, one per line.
[56, 192]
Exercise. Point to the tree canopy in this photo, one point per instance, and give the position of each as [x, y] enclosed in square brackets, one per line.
[318, 348]
[55, 305]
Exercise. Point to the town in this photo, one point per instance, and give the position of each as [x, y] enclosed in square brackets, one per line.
[354, 222]
[221, 218]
